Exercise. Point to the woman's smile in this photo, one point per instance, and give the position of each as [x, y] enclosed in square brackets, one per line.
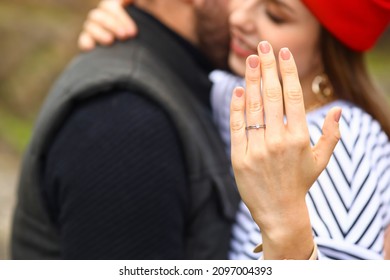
[241, 48]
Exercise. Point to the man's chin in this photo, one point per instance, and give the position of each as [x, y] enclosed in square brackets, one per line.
[212, 27]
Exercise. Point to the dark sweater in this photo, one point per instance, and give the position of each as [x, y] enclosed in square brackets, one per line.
[114, 178]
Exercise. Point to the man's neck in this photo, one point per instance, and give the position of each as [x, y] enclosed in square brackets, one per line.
[179, 16]
[178, 54]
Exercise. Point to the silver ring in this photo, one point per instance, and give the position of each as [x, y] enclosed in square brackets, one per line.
[256, 126]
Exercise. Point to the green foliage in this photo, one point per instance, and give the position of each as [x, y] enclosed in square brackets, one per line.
[379, 66]
[14, 131]
[38, 39]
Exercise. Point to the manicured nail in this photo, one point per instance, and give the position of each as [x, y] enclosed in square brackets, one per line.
[253, 61]
[285, 53]
[265, 47]
[337, 116]
[239, 91]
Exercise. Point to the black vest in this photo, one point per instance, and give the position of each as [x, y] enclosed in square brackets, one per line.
[132, 66]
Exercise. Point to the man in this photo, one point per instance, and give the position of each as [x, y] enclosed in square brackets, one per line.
[125, 162]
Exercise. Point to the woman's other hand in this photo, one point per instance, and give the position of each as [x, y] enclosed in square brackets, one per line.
[107, 22]
[275, 166]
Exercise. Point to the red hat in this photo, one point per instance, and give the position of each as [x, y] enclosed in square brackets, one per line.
[356, 23]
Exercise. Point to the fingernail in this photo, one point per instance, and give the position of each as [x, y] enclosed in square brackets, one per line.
[239, 92]
[264, 47]
[337, 116]
[253, 61]
[285, 53]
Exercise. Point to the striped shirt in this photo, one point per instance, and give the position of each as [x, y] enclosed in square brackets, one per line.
[349, 204]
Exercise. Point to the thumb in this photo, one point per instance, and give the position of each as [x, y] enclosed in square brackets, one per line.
[330, 136]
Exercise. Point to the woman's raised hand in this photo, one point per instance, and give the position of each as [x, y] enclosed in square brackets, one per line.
[273, 161]
[107, 22]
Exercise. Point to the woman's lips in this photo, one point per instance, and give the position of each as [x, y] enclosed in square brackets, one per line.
[240, 48]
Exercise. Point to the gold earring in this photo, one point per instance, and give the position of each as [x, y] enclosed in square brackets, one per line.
[322, 87]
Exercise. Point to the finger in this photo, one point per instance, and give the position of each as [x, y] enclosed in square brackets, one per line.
[85, 42]
[237, 124]
[292, 93]
[98, 33]
[110, 24]
[117, 11]
[330, 136]
[272, 91]
[127, 2]
[254, 104]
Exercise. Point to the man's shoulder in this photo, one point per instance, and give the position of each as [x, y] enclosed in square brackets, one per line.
[119, 57]
[123, 66]
[119, 50]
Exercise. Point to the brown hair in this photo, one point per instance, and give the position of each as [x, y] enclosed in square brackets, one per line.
[348, 74]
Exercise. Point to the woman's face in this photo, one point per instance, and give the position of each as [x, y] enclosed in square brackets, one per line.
[283, 23]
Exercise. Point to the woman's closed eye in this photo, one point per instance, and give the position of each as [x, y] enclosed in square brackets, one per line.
[279, 12]
[275, 18]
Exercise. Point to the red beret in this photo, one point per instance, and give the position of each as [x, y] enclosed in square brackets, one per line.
[356, 23]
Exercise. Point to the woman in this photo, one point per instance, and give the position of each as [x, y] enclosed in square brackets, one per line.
[348, 206]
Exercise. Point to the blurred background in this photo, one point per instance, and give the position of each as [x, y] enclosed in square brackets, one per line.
[37, 39]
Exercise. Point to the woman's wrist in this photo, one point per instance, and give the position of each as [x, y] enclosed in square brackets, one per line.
[293, 214]
[290, 237]
[313, 257]
[298, 246]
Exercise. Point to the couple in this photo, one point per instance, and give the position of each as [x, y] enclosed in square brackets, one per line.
[125, 162]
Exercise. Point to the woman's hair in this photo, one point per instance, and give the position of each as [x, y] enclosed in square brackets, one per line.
[348, 74]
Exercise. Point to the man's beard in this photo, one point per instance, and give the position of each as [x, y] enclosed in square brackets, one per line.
[213, 32]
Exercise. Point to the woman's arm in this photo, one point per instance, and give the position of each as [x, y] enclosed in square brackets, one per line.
[275, 165]
[107, 22]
